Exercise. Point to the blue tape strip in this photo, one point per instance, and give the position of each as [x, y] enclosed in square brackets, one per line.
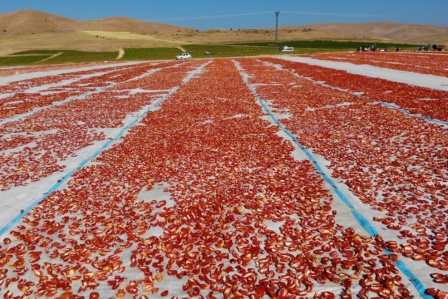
[83, 163]
[393, 106]
[364, 223]
[360, 218]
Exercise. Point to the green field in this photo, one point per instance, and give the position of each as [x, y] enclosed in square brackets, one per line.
[40, 57]
[150, 53]
[319, 45]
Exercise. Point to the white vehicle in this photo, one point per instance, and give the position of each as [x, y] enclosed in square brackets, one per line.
[183, 56]
[287, 49]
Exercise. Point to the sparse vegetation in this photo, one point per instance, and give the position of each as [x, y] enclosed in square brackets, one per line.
[81, 56]
[228, 50]
[21, 60]
[150, 53]
[324, 45]
[67, 56]
[198, 51]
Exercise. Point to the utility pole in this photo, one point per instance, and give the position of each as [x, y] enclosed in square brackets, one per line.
[276, 30]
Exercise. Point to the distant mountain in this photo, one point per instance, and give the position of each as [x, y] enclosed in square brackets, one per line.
[413, 33]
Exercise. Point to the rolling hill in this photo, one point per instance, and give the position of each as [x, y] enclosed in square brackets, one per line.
[34, 22]
[411, 33]
[30, 29]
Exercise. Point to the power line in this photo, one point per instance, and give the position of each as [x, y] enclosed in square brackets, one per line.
[276, 30]
[332, 14]
[264, 13]
[212, 17]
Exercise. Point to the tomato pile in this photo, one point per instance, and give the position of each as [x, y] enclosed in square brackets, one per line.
[414, 99]
[26, 95]
[426, 63]
[67, 126]
[205, 196]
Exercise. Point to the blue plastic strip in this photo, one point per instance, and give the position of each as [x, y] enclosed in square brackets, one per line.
[363, 221]
[393, 106]
[360, 218]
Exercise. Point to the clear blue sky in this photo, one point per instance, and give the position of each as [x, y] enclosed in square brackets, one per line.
[243, 14]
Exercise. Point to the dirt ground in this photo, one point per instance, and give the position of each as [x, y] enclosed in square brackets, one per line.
[113, 41]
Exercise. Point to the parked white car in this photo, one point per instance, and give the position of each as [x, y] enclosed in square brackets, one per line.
[183, 56]
[287, 49]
